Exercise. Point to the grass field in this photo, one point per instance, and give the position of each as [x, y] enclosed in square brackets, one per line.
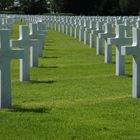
[72, 95]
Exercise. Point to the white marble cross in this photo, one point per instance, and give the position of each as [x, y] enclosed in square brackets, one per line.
[76, 26]
[90, 26]
[52, 25]
[63, 27]
[119, 41]
[67, 29]
[81, 33]
[99, 41]
[86, 34]
[103, 36]
[34, 34]
[6, 55]
[76, 31]
[59, 26]
[42, 30]
[99, 48]
[27, 43]
[135, 52]
[93, 27]
[56, 25]
[71, 27]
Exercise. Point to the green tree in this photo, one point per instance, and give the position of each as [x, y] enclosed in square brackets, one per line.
[84, 7]
[6, 4]
[33, 6]
[130, 7]
[57, 6]
[109, 7]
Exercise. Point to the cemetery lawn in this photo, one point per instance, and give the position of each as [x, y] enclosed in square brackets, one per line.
[72, 95]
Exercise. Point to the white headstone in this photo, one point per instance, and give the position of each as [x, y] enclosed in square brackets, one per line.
[99, 29]
[6, 55]
[135, 52]
[34, 34]
[42, 31]
[103, 36]
[26, 43]
[119, 41]
[99, 41]
[81, 33]
[93, 28]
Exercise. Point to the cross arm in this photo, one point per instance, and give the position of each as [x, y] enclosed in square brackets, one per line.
[128, 27]
[92, 31]
[38, 36]
[41, 36]
[97, 32]
[113, 40]
[128, 41]
[106, 35]
[34, 42]
[17, 53]
[16, 43]
[88, 29]
[127, 50]
[103, 35]
[120, 42]
[45, 32]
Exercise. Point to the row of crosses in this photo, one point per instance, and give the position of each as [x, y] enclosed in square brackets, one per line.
[30, 41]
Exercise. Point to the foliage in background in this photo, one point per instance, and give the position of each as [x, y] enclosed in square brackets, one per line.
[77, 7]
[33, 6]
[5, 4]
[57, 5]
[130, 6]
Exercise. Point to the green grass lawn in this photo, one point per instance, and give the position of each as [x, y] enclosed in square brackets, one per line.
[72, 95]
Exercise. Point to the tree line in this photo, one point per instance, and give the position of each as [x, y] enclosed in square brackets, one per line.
[76, 7]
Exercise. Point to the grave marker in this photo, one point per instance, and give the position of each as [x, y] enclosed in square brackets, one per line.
[99, 41]
[108, 50]
[93, 27]
[34, 34]
[6, 55]
[81, 33]
[26, 43]
[135, 52]
[119, 41]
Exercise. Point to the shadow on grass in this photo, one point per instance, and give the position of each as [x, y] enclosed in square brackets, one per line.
[40, 82]
[50, 41]
[50, 45]
[71, 39]
[128, 62]
[18, 108]
[50, 67]
[50, 49]
[125, 62]
[128, 75]
[113, 62]
[47, 57]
